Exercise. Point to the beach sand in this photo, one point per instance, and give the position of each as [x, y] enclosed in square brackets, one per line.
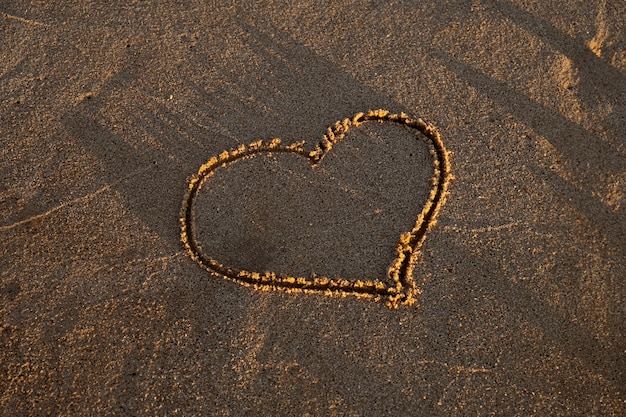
[107, 113]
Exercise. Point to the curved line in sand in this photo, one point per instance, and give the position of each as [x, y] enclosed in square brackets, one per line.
[403, 290]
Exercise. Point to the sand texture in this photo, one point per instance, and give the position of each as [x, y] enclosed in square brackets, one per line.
[163, 254]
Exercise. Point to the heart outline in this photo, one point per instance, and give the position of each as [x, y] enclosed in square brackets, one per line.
[408, 249]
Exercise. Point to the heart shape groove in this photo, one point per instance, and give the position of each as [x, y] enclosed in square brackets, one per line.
[402, 289]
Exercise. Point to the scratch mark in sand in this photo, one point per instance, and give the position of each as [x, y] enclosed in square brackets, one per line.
[23, 20]
[164, 259]
[71, 202]
[458, 370]
[483, 229]
[139, 261]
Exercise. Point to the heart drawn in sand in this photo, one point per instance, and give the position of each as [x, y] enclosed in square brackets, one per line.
[399, 287]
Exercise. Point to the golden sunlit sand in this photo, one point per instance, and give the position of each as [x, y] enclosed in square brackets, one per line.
[511, 304]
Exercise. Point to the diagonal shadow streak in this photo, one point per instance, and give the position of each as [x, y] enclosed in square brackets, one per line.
[565, 132]
[572, 339]
[291, 69]
[608, 222]
[609, 361]
[342, 101]
[299, 90]
[594, 72]
[351, 379]
[540, 118]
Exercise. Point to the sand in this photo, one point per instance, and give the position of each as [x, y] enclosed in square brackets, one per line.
[517, 300]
